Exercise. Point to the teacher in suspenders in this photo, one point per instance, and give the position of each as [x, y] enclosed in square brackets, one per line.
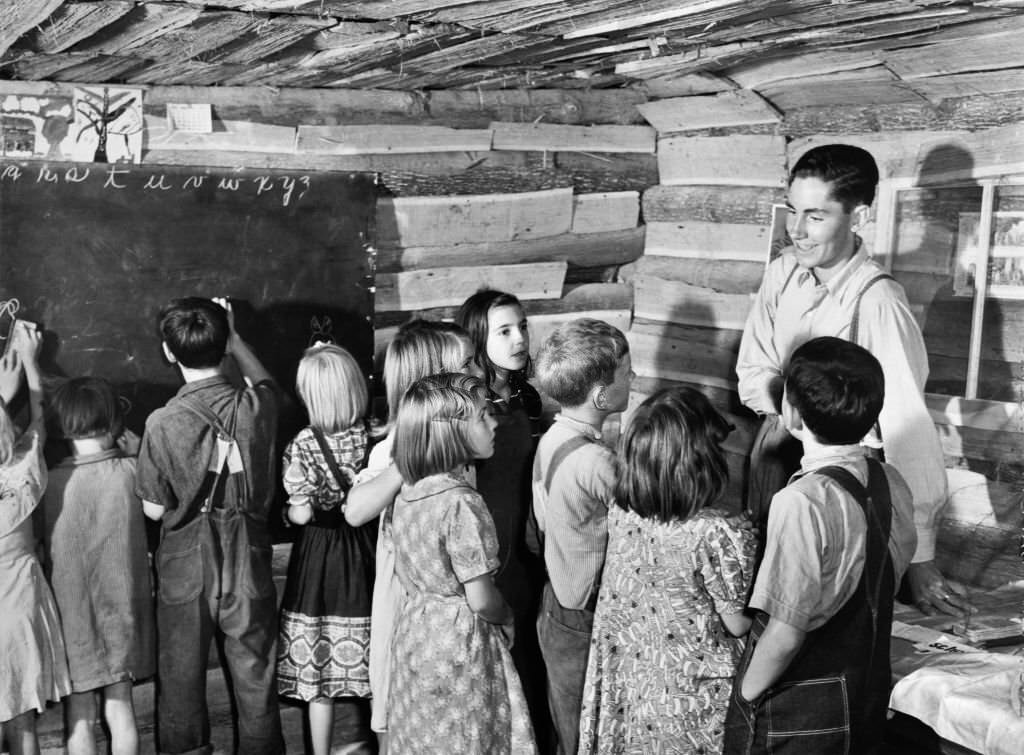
[825, 285]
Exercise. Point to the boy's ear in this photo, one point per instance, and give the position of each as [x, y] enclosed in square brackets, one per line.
[167, 353]
[861, 216]
[598, 396]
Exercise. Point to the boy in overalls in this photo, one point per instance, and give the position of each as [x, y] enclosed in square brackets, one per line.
[815, 675]
[585, 366]
[205, 471]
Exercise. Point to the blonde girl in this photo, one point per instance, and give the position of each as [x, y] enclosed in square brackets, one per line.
[454, 687]
[420, 348]
[33, 669]
[324, 642]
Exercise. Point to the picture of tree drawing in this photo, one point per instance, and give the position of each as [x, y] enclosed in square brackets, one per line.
[112, 118]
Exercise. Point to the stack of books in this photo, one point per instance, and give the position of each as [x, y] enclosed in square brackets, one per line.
[990, 629]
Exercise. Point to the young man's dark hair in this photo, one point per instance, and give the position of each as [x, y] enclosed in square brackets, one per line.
[196, 331]
[838, 387]
[851, 172]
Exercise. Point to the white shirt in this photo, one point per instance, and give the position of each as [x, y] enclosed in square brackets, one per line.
[785, 316]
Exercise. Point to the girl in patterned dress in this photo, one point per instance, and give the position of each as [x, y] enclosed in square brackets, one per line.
[454, 688]
[665, 645]
[324, 642]
[419, 348]
[33, 669]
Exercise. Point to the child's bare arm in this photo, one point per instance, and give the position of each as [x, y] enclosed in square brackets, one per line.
[153, 510]
[249, 365]
[486, 602]
[774, 652]
[737, 624]
[28, 349]
[368, 499]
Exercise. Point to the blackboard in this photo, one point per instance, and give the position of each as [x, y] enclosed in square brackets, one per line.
[93, 251]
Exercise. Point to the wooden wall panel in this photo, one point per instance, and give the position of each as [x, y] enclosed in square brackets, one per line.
[735, 160]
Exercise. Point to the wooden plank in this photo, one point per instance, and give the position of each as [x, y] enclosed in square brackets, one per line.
[577, 249]
[148, 24]
[699, 337]
[434, 221]
[711, 204]
[737, 108]
[687, 84]
[580, 250]
[867, 88]
[74, 22]
[939, 88]
[237, 136]
[449, 287]
[555, 137]
[722, 276]
[757, 73]
[737, 160]
[19, 17]
[705, 239]
[607, 211]
[671, 301]
[888, 148]
[360, 140]
[579, 298]
[649, 13]
[985, 52]
[991, 153]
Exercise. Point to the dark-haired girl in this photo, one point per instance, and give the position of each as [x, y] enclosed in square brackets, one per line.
[675, 582]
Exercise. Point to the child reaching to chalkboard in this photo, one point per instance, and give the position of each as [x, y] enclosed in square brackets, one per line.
[33, 670]
[98, 565]
[324, 643]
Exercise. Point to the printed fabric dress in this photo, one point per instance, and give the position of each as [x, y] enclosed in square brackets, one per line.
[661, 662]
[324, 644]
[453, 686]
[99, 569]
[32, 665]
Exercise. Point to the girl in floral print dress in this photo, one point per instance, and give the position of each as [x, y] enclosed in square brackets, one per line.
[665, 644]
[454, 688]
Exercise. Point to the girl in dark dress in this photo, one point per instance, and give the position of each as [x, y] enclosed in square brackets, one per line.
[324, 644]
[498, 328]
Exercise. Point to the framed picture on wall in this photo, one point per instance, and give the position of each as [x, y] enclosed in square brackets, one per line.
[1005, 259]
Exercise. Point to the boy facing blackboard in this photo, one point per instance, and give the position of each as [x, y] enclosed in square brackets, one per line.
[205, 471]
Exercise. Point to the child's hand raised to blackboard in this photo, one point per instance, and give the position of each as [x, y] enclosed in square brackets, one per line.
[225, 302]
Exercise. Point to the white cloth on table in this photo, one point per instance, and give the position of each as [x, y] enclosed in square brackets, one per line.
[971, 699]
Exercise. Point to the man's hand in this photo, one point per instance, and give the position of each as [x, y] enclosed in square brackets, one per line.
[933, 594]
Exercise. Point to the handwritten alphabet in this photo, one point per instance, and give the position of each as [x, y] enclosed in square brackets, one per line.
[290, 189]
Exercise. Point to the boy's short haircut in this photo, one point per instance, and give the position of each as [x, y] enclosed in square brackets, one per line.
[196, 331]
[850, 171]
[838, 387]
[430, 431]
[332, 388]
[86, 407]
[577, 356]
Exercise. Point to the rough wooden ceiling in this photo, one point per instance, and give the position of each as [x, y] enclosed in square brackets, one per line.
[795, 54]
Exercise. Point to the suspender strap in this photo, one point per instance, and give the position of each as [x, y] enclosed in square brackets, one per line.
[561, 454]
[855, 323]
[216, 489]
[876, 502]
[332, 463]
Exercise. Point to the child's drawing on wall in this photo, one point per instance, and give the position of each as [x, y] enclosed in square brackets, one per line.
[32, 126]
[108, 124]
